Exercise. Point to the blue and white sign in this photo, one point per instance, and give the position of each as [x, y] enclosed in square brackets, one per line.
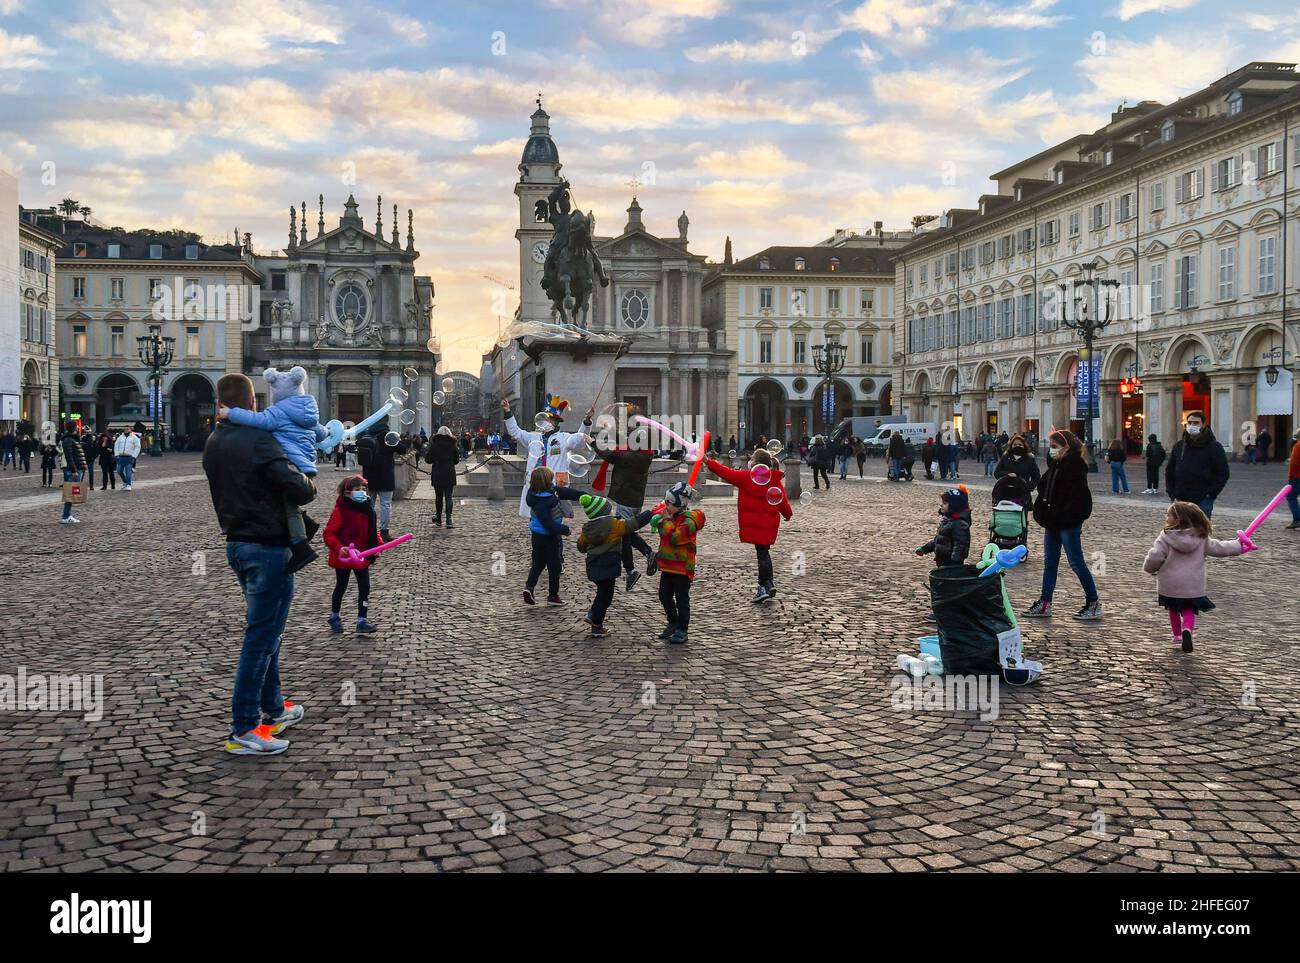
[828, 403]
[1087, 404]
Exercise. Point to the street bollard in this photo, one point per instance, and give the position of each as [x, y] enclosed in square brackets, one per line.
[793, 483]
[496, 479]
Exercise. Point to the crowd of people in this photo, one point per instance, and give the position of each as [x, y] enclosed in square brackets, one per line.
[262, 477]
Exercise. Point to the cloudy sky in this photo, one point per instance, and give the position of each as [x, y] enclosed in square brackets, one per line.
[774, 122]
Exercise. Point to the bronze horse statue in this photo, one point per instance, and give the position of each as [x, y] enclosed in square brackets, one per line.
[572, 265]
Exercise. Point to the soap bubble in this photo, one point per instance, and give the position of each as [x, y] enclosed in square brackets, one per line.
[407, 417]
[432, 345]
[410, 374]
[732, 454]
[448, 384]
[578, 458]
[419, 406]
[543, 422]
[577, 470]
[775, 446]
[398, 396]
[535, 449]
[761, 474]
[439, 398]
[392, 439]
[805, 498]
[775, 496]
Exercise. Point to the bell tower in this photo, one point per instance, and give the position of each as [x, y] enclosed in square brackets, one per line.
[539, 173]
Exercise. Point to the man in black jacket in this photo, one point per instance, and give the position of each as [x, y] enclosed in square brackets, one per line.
[1198, 466]
[375, 456]
[250, 477]
[630, 463]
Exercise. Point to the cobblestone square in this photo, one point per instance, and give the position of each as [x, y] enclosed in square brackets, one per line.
[474, 733]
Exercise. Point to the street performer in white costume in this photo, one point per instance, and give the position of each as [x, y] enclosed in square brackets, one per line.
[552, 448]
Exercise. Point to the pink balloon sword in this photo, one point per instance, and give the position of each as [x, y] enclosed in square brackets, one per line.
[1244, 537]
[349, 557]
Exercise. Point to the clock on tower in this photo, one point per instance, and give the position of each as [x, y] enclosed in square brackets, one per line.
[539, 172]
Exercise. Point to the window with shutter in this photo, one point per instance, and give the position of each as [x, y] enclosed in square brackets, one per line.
[1157, 286]
[1267, 265]
[1158, 196]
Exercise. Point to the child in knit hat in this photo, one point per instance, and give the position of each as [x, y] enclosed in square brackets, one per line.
[678, 527]
[602, 542]
[951, 542]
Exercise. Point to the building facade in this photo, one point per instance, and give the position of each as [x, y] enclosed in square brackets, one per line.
[38, 253]
[347, 305]
[779, 306]
[672, 363]
[1187, 211]
[114, 287]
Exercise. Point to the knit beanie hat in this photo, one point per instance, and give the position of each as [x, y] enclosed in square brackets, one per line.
[594, 505]
[679, 495]
[958, 500]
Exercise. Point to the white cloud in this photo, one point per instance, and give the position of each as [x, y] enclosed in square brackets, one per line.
[648, 23]
[244, 33]
[1163, 68]
[261, 111]
[912, 23]
[1128, 9]
[22, 52]
[756, 161]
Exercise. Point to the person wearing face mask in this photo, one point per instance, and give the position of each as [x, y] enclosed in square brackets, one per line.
[1064, 504]
[1019, 462]
[1198, 466]
[352, 522]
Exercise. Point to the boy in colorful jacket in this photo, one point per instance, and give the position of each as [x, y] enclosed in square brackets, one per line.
[602, 542]
[678, 527]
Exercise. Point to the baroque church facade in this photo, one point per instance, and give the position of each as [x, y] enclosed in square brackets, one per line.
[673, 364]
[348, 306]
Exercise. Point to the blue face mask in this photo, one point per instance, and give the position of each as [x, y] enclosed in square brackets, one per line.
[360, 497]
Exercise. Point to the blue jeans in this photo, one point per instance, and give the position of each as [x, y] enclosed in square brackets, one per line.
[1207, 506]
[268, 592]
[893, 469]
[125, 467]
[1072, 540]
[844, 465]
[1293, 500]
[952, 461]
[385, 505]
[989, 465]
[1118, 476]
[69, 474]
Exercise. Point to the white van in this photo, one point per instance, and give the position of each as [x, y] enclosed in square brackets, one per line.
[914, 431]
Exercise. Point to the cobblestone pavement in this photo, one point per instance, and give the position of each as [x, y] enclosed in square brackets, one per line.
[487, 735]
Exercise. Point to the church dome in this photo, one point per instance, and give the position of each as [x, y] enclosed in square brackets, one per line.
[540, 149]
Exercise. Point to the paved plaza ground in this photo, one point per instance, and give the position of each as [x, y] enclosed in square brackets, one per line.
[475, 733]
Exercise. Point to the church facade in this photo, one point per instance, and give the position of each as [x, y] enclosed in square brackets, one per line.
[672, 364]
[348, 306]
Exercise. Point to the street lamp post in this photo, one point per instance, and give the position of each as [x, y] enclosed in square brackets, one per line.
[828, 360]
[156, 353]
[1089, 325]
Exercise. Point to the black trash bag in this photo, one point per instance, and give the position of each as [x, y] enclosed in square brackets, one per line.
[970, 618]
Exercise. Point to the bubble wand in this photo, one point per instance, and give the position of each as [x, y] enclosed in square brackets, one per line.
[1244, 537]
[336, 434]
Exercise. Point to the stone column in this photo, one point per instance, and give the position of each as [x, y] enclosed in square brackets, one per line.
[1244, 410]
[496, 479]
[793, 483]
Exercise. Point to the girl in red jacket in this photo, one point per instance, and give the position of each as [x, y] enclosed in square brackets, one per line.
[761, 503]
[352, 523]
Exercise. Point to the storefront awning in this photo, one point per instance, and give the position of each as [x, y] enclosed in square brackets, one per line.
[1277, 399]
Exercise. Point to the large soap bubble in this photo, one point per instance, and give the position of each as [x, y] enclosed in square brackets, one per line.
[439, 398]
[775, 446]
[775, 496]
[535, 449]
[761, 474]
[543, 422]
[407, 417]
[410, 374]
[398, 396]
[448, 385]
[392, 439]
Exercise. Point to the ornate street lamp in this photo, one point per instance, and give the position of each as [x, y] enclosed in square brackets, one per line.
[156, 353]
[1089, 326]
[828, 360]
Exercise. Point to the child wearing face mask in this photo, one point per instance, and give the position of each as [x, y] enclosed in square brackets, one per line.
[352, 522]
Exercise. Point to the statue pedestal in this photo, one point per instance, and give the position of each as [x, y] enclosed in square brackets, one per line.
[571, 368]
[496, 479]
[793, 483]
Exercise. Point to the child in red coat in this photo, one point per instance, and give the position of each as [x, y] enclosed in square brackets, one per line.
[352, 523]
[761, 507]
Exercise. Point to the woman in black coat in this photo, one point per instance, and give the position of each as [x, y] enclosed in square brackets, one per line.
[1019, 462]
[1064, 503]
[107, 463]
[443, 455]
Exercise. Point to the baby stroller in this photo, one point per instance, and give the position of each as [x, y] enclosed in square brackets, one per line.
[1009, 521]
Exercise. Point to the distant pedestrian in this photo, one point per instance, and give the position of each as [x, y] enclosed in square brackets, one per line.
[126, 450]
[442, 456]
[1155, 457]
[1198, 466]
[107, 462]
[1117, 455]
[49, 462]
[1263, 441]
[74, 466]
[990, 456]
[26, 445]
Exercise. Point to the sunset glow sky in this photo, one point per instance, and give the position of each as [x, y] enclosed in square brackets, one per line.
[773, 126]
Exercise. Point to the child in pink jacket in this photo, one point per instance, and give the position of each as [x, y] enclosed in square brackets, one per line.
[1177, 559]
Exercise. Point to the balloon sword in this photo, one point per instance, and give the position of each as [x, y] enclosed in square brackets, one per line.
[1244, 537]
[349, 557]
